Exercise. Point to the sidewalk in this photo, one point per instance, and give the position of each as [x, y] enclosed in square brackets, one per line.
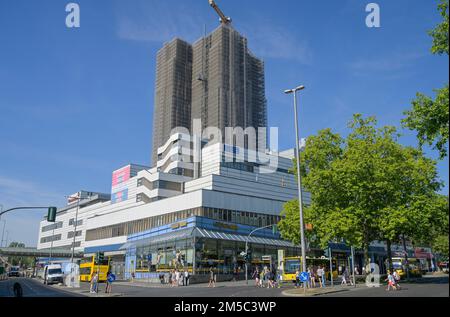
[300, 292]
[142, 283]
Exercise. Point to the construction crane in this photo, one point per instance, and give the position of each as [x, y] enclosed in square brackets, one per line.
[223, 19]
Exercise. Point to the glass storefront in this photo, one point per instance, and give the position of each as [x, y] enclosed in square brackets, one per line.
[222, 255]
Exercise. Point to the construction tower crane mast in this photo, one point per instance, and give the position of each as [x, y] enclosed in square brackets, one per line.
[223, 19]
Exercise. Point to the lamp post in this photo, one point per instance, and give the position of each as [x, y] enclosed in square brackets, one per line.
[246, 248]
[72, 279]
[4, 224]
[75, 230]
[299, 180]
[3, 232]
[6, 241]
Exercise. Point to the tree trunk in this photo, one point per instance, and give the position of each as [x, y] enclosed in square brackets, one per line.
[367, 257]
[389, 255]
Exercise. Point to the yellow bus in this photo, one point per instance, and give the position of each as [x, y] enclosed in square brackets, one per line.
[293, 264]
[89, 265]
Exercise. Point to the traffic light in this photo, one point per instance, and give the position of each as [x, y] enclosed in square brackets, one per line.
[51, 215]
[274, 229]
[101, 256]
[248, 256]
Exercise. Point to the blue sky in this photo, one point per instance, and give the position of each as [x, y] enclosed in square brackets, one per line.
[75, 104]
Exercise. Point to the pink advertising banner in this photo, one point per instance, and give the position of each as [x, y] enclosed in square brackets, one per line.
[121, 175]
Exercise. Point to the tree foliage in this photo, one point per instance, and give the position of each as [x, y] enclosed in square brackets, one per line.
[430, 118]
[23, 261]
[365, 187]
[440, 32]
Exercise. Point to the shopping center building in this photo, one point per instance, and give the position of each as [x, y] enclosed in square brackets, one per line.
[162, 217]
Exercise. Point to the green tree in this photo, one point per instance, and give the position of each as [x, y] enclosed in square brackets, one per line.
[430, 118]
[19, 260]
[440, 32]
[360, 186]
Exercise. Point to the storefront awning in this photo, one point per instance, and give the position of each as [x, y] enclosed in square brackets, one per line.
[176, 235]
[203, 233]
[237, 237]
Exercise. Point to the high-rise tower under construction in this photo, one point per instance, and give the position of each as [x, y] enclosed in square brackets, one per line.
[217, 80]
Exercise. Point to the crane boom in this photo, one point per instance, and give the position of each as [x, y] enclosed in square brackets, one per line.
[223, 19]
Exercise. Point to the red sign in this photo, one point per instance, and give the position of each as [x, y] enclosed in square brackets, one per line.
[121, 175]
[422, 253]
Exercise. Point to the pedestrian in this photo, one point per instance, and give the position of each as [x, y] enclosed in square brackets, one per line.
[110, 278]
[94, 281]
[320, 276]
[171, 278]
[260, 277]
[344, 277]
[396, 279]
[177, 277]
[255, 276]
[312, 277]
[391, 282]
[235, 273]
[266, 278]
[212, 278]
[297, 279]
[186, 277]
[279, 279]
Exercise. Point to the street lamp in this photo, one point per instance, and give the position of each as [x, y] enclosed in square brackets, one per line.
[299, 180]
[6, 241]
[3, 232]
[246, 248]
[78, 198]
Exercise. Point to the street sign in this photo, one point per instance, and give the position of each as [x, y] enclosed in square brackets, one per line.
[111, 278]
[304, 277]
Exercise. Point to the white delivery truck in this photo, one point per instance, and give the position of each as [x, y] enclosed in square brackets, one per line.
[52, 274]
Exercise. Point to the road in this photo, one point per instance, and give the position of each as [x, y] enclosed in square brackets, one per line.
[199, 290]
[426, 287]
[32, 288]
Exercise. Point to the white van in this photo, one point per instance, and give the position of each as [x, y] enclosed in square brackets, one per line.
[53, 274]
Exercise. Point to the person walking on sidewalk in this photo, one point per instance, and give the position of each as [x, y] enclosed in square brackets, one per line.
[391, 282]
[212, 278]
[396, 279]
[312, 277]
[110, 278]
[186, 278]
[344, 278]
[255, 276]
[297, 279]
[94, 283]
[321, 276]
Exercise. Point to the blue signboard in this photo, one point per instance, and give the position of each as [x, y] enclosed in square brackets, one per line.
[304, 277]
[111, 278]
